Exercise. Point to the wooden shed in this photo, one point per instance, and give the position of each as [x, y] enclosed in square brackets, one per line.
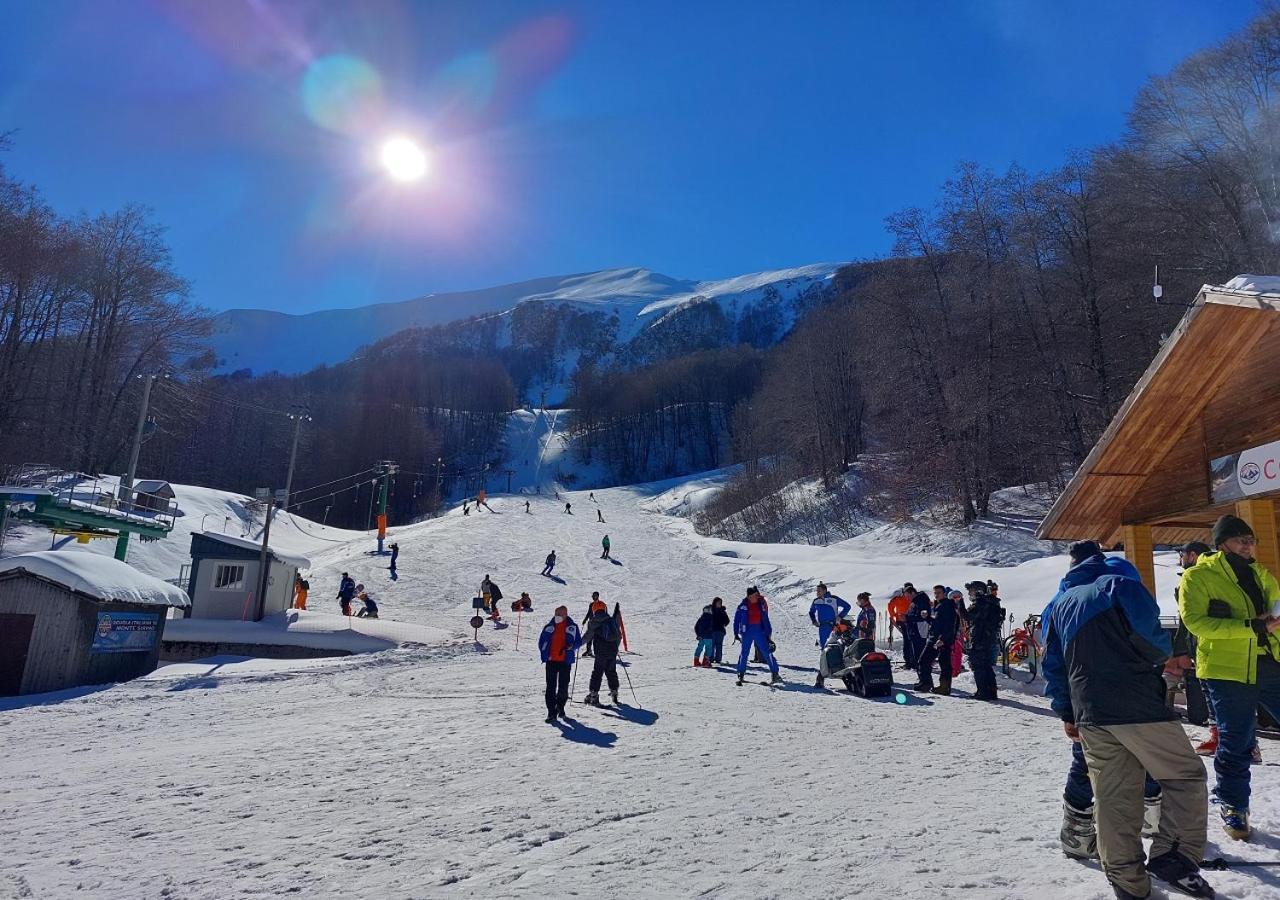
[1198, 436]
[154, 494]
[70, 618]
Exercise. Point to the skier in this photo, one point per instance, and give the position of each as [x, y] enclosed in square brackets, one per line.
[526, 508]
[1104, 650]
[866, 622]
[557, 643]
[524, 604]
[751, 626]
[346, 591]
[481, 500]
[599, 516]
[605, 544]
[603, 636]
[823, 612]
[592, 607]
[491, 594]
[592, 496]
[720, 625]
[551, 564]
[301, 588]
[568, 508]
[985, 614]
[466, 510]
[1227, 601]
[395, 555]
[704, 630]
[370, 610]
[937, 645]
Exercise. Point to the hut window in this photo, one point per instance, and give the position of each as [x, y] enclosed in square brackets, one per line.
[228, 578]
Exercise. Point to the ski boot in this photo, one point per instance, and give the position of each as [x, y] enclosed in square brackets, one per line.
[740, 677]
[819, 682]
[1235, 822]
[923, 686]
[592, 699]
[551, 717]
[560, 711]
[775, 678]
[696, 664]
[613, 695]
[943, 689]
[1180, 873]
[1079, 837]
[1150, 816]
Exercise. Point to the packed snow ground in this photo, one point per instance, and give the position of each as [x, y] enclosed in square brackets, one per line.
[428, 771]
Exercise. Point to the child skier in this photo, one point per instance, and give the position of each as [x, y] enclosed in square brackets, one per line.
[720, 627]
[704, 630]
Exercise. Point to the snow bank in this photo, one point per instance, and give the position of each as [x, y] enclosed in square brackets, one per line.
[305, 628]
[98, 576]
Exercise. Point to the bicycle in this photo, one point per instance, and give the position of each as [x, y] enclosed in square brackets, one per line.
[1022, 646]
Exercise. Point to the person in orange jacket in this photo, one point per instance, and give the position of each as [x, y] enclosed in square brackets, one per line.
[897, 612]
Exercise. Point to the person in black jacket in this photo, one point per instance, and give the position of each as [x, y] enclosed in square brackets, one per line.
[944, 624]
[916, 626]
[603, 636]
[703, 630]
[985, 616]
[720, 627]
[1104, 651]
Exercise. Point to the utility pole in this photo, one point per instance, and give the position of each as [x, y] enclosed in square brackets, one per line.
[125, 494]
[439, 479]
[264, 557]
[299, 414]
[386, 468]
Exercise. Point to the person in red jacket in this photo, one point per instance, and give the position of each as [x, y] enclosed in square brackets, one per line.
[557, 643]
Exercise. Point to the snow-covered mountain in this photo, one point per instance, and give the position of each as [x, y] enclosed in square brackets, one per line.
[763, 306]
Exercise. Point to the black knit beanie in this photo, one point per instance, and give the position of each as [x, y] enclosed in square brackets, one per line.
[1082, 550]
[1229, 527]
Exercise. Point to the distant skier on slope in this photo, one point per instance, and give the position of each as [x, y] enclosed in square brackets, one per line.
[557, 643]
[346, 592]
[824, 611]
[599, 516]
[551, 564]
[568, 508]
[395, 555]
[604, 635]
[751, 626]
[605, 544]
[526, 507]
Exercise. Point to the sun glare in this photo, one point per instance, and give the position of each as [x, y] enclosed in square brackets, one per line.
[403, 159]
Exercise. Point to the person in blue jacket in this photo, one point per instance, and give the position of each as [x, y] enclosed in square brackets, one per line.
[824, 611]
[1104, 654]
[557, 643]
[916, 626]
[944, 623]
[751, 626]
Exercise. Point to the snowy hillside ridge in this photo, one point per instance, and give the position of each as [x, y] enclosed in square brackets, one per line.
[101, 577]
[806, 512]
[263, 340]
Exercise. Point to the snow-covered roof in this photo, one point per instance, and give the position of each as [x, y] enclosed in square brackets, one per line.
[292, 559]
[98, 576]
[1258, 284]
[151, 485]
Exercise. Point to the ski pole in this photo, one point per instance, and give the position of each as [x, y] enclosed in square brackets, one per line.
[1219, 864]
[632, 686]
[573, 690]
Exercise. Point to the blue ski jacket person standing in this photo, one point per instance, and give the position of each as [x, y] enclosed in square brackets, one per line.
[1104, 653]
[865, 627]
[824, 611]
[557, 643]
[751, 626]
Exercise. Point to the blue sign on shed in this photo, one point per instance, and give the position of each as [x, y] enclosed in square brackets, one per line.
[120, 632]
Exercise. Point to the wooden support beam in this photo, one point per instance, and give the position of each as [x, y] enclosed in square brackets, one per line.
[1138, 549]
[1261, 516]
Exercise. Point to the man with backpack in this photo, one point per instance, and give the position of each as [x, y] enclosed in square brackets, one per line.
[603, 636]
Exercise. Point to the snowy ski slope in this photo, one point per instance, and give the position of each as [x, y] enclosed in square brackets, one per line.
[428, 771]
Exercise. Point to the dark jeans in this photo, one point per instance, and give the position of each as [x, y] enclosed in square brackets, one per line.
[1235, 706]
[912, 645]
[557, 686]
[984, 673]
[931, 652]
[1079, 789]
[606, 666]
[717, 646]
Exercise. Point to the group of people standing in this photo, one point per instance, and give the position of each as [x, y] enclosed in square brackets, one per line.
[943, 627]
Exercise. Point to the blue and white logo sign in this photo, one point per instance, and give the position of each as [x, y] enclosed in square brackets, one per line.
[121, 632]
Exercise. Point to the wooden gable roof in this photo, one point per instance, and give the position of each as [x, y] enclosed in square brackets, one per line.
[1213, 389]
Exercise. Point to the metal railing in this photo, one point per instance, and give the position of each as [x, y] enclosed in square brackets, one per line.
[93, 494]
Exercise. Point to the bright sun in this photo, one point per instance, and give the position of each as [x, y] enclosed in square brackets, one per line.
[403, 159]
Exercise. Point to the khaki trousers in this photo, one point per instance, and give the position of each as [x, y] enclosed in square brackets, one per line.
[1118, 756]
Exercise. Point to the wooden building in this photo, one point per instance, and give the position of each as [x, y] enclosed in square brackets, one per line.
[225, 574]
[1198, 436]
[153, 494]
[71, 617]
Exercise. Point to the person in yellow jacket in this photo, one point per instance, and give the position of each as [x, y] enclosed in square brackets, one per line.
[1228, 601]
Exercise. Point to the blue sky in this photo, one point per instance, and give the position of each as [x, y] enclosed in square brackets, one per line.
[701, 139]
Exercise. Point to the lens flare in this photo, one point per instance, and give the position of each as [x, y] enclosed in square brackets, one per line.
[342, 93]
[900, 698]
[403, 158]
